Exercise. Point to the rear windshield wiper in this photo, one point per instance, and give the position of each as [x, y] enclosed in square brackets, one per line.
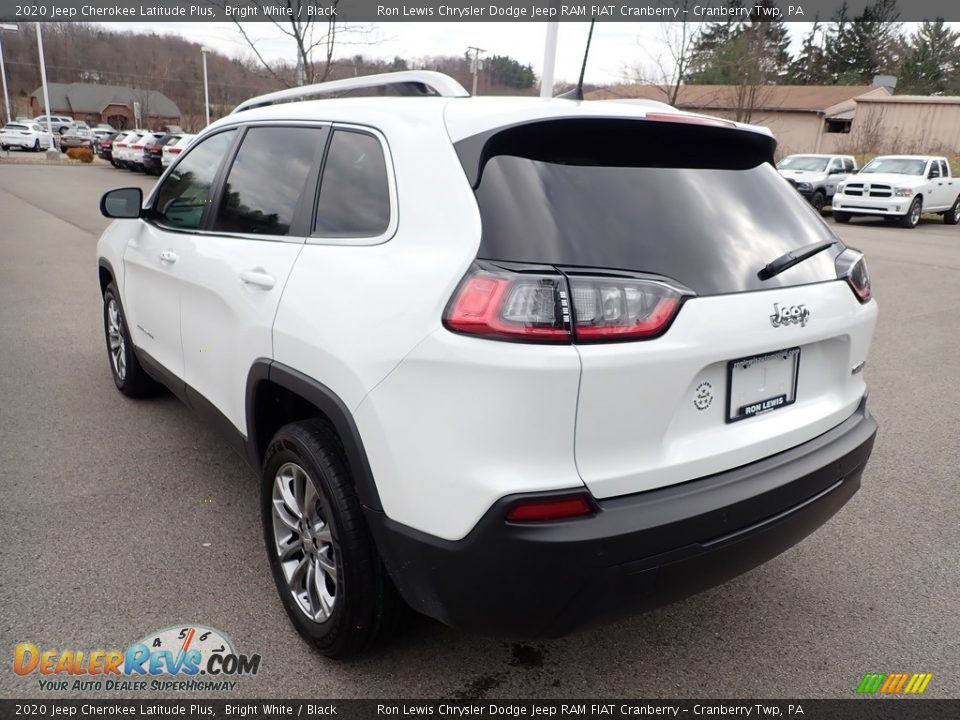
[794, 257]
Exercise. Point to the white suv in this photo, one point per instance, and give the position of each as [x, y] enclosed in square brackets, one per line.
[521, 364]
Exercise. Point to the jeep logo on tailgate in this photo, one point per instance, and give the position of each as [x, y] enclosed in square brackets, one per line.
[793, 315]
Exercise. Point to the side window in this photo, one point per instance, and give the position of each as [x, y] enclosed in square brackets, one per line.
[354, 192]
[268, 179]
[186, 191]
[848, 165]
[943, 169]
[835, 164]
[934, 171]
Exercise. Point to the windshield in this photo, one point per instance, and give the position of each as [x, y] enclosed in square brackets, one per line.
[804, 162]
[899, 166]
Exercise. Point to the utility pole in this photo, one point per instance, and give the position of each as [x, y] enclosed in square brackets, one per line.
[549, 60]
[475, 65]
[3, 71]
[206, 87]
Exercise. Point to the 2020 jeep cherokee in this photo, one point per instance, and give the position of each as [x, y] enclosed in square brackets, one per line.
[520, 364]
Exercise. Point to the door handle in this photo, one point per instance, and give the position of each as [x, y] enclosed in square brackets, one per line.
[169, 256]
[259, 277]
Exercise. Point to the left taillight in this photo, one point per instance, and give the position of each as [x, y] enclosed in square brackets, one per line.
[852, 267]
[560, 307]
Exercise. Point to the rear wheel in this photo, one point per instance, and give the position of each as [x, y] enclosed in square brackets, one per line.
[952, 216]
[818, 201]
[36, 146]
[912, 217]
[330, 578]
[841, 217]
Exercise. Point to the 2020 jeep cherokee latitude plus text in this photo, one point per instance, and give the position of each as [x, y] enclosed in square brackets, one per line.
[520, 364]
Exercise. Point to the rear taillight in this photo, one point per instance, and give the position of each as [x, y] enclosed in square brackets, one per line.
[174, 151]
[544, 509]
[852, 267]
[510, 306]
[546, 306]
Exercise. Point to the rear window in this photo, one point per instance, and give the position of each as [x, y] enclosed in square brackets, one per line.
[703, 206]
[13, 126]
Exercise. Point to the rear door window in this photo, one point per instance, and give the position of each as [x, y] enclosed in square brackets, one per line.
[355, 190]
[267, 183]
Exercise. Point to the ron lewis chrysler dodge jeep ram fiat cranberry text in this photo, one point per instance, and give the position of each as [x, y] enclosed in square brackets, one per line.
[520, 364]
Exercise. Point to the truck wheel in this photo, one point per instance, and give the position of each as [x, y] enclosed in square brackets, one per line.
[818, 201]
[952, 216]
[841, 217]
[912, 217]
[330, 578]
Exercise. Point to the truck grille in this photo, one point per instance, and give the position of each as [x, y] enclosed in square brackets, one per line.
[864, 190]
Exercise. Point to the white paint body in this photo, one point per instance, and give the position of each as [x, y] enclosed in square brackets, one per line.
[866, 193]
[452, 423]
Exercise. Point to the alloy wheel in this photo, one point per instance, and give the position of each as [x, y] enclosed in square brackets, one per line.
[115, 339]
[303, 542]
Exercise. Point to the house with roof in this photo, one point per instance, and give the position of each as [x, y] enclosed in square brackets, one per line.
[113, 104]
[804, 118]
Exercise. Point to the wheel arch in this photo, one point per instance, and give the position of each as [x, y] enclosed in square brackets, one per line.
[107, 275]
[277, 394]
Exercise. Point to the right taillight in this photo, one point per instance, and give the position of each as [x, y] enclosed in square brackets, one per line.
[852, 267]
[549, 306]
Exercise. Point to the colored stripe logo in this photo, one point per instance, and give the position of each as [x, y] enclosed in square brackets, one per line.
[894, 683]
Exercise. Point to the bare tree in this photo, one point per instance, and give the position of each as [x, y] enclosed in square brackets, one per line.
[669, 65]
[314, 40]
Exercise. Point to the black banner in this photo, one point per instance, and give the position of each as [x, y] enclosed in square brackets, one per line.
[447, 10]
[854, 709]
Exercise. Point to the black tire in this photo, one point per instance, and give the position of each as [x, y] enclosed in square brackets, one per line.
[841, 217]
[912, 217]
[952, 216]
[129, 376]
[818, 201]
[36, 146]
[365, 603]
[5, 148]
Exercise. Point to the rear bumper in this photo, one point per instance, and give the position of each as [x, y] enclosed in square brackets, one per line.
[637, 552]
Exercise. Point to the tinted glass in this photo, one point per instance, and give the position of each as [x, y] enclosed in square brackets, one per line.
[354, 192]
[710, 229]
[185, 193]
[268, 180]
[900, 166]
[848, 164]
[803, 162]
[943, 169]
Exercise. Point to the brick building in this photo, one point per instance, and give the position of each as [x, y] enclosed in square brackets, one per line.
[111, 104]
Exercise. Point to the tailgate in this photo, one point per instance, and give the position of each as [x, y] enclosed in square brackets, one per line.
[661, 412]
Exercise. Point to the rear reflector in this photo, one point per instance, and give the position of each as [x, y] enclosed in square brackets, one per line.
[547, 509]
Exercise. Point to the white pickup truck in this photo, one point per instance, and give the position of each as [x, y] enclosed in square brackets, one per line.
[816, 176]
[899, 188]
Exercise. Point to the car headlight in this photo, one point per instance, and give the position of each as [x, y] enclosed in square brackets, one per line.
[903, 192]
[804, 187]
[841, 187]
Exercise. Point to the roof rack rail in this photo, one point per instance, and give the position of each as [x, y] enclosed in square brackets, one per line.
[406, 82]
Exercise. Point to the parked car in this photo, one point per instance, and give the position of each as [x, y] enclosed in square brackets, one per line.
[26, 136]
[58, 123]
[153, 153]
[900, 188]
[139, 150]
[816, 176]
[496, 357]
[105, 147]
[78, 136]
[122, 149]
[173, 149]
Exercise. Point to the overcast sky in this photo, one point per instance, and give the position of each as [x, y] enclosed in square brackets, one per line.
[615, 45]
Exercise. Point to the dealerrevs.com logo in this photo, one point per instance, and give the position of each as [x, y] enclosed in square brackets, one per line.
[186, 658]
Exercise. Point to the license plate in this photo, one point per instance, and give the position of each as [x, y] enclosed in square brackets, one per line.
[762, 383]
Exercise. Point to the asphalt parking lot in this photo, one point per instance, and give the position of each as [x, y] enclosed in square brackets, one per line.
[120, 517]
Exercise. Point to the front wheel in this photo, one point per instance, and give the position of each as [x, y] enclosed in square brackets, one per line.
[952, 216]
[912, 217]
[128, 375]
[330, 578]
[841, 217]
[818, 201]
[36, 146]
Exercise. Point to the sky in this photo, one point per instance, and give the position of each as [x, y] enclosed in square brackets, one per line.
[615, 46]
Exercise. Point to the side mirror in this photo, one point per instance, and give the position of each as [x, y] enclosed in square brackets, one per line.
[122, 203]
[934, 173]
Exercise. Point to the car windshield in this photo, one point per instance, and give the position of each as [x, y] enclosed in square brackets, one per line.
[899, 166]
[804, 162]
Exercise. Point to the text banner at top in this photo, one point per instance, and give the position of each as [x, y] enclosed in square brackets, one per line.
[449, 10]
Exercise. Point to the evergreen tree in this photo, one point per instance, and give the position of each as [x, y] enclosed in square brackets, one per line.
[858, 49]
[810, 65]
[931, 62]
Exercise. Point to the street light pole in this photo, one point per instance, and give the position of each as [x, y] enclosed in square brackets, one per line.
[549, 60]
[46, 93]
[206, 87]
[3, 70]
